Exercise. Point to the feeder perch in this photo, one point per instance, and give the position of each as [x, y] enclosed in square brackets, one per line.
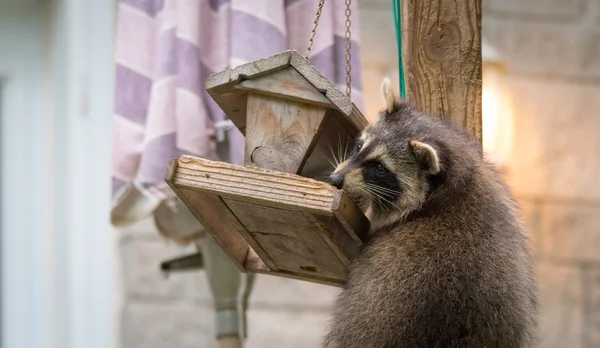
[273, 215]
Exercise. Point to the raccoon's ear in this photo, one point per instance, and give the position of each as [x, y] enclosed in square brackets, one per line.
[426, 155]
[388, 95]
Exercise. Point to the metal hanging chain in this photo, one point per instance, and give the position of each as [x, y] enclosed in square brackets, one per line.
[348, 46]
[314, 30]
[348, 42]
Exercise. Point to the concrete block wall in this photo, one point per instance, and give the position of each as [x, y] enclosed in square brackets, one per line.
[552, 48]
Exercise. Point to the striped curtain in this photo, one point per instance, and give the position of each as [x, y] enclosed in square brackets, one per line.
[165, 51]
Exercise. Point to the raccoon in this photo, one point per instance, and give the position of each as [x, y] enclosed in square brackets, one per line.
[446, 262]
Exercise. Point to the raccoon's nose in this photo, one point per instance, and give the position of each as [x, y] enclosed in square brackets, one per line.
[337, 180]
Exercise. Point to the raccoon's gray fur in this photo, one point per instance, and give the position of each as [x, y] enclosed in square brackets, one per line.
[446, 263]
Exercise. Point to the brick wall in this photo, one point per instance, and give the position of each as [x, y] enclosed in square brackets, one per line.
[552, 49]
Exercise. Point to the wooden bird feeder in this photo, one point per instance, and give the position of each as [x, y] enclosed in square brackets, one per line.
[272, 215]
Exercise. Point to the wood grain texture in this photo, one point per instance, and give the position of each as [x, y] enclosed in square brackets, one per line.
[442, 55]
[269, 221]
[289, 239]
[336, 236]
[223, 220]
[350, 216]
[230, 88]
[211, 212]
[286, 224]
[279, 133]
[233, 102]
[218, 217]
[234, 245]
[321, 83]
[249, 70]
[221, 86]
[257, 185]
[286, 84]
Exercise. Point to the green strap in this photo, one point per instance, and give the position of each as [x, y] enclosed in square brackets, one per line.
[398, 25]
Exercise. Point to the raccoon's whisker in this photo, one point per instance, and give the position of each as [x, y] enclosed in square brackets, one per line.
[340, 148]
[385, 200]
[330, 162]
[380, 202]
[376, 197]
[390, 203]
[384, 189]
[330, 149]
[346, 149]
[374, 188]
[337, 162]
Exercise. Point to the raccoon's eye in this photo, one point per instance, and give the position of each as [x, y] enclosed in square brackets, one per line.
[379, 168]
[358, 147]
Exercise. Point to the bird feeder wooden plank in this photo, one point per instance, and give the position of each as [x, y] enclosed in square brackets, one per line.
[269, 215]
[286, 84]
[223, 87]
[282, 131]
[272, 222]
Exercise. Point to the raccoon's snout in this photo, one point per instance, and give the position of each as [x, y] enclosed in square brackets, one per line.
[337, 180]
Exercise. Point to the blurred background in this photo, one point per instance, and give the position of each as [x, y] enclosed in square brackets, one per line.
[70, 278]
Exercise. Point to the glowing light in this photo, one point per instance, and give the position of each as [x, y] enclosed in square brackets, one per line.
[497, 113]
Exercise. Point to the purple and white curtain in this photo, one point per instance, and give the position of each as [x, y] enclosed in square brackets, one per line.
[165, 51]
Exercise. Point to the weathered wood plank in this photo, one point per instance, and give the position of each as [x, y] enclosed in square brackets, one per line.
[336, 236]
[249, 70]
[230, 88]
[221, 86]
[441, 44]
[233, 244]
[350, 216]
[321, 83]
[216, 214]
[233, 102]
[271, 221]
[292, 226]
[256, 185]
[286, 84]
[289, 238]
[280, 132]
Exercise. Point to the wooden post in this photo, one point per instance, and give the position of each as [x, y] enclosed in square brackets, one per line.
[441, 45]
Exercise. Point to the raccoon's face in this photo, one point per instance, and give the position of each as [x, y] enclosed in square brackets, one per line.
[389, 168]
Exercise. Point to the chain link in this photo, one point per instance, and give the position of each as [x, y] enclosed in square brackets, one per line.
[348, 47]
[348, 42]
[314, 30]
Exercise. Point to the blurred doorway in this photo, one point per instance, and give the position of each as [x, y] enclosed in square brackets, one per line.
[57, 278]
[21, 142]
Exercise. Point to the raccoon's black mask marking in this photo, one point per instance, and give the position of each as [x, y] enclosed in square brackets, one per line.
[381, 180]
